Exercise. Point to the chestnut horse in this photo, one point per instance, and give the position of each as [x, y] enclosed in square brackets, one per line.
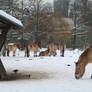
[53, 47]
[84, 59]
[12, 47]
[32, 47]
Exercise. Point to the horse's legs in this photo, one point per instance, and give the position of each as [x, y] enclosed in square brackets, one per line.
[14, 53]
[7, 52]
[54, 53]
[27, 52]
[35, 54]
[62, 51]
[50, 53]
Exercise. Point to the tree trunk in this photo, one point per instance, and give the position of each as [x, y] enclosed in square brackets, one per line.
[74, 42]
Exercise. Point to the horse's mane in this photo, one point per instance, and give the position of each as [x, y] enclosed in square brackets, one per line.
[90, 46]
[86, 51]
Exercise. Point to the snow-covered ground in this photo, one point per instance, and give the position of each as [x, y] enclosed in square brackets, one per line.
[45, 74]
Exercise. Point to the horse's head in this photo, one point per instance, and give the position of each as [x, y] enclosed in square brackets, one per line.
[79, 70]
[18, 45]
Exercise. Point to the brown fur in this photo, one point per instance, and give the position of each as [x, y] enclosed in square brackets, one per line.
[53, 47]
[44, 53]
[62, 48]
[12, 48]
[32, 47]
[84, 59]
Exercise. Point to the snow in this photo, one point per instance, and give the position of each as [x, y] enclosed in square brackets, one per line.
[47, 74]
[11, 18]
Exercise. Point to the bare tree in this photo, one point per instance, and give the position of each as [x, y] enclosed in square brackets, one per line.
[39, 20]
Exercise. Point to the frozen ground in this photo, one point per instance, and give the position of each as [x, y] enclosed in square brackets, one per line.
[45, 74]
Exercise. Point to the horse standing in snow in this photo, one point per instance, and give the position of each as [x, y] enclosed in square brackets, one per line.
[62, 48]
[53, 47]
[84, 59]
[32, 47]
[12, 47]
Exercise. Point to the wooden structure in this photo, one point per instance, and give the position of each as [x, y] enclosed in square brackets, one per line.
[6, 23]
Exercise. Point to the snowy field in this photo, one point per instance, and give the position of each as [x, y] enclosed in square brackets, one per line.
[45, 74]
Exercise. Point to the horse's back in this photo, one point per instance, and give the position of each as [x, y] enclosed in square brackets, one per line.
[13, 47]
[34, 46]
[86, 55]
[90, 52]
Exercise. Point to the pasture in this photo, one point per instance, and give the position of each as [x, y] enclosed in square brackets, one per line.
[45, 74]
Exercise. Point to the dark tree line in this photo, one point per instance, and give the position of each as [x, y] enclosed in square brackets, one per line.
[62, 7]
[81, 13]
[38, 16]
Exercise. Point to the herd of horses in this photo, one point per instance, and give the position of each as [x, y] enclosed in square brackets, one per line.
[36, 47]
[84, 59]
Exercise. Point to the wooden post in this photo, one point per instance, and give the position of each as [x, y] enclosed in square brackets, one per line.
[3, 74]
[3, 36]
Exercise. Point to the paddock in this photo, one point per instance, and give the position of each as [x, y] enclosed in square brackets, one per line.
[47, 74]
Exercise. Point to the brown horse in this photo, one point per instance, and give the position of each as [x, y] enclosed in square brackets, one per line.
[62, 48]
[44, 53]
[53, 47]
[32, 47]
[84, 59]
[12, 47]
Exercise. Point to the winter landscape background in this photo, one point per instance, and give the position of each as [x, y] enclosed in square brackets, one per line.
[60, 21]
